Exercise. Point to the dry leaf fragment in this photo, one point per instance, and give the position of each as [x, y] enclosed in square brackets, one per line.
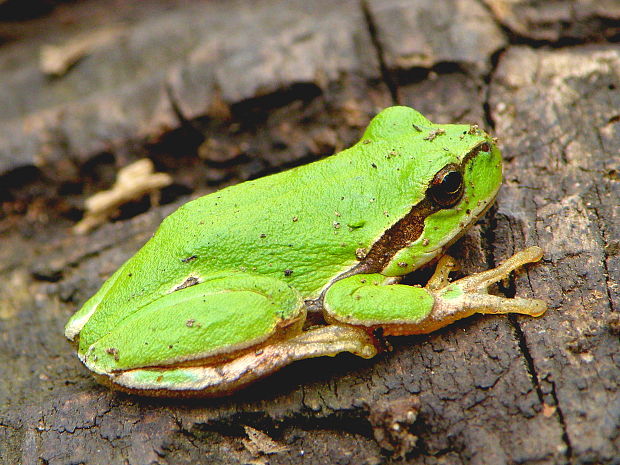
[132, 182]
[259, 443]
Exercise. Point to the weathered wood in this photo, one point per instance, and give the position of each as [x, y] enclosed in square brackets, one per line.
[238, 89]
[424, 33]
[133, 86]
[556, 20]
[557, 115]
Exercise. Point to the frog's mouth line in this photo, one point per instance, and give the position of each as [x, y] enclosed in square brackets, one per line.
[431, 254]
[473, 218]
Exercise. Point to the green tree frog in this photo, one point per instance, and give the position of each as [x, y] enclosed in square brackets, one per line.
[220, 296]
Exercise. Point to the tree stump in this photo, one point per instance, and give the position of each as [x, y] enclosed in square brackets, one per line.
[215, 93]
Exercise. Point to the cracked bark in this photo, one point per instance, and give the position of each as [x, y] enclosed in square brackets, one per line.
[491, 389]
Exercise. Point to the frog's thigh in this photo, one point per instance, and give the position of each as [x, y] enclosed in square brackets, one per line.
[205, 321]
[370, 301]
[222, 379]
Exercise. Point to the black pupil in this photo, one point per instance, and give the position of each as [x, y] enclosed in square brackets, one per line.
[451, 182]
[447, 187]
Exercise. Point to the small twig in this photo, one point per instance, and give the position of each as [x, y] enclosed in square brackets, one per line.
[132, 182]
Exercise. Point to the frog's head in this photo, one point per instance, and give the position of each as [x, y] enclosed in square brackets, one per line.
[454, 171]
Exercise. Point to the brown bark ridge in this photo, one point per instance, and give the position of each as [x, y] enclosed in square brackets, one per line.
[217, 92]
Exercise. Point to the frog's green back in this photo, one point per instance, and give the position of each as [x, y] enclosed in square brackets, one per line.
[304, 226]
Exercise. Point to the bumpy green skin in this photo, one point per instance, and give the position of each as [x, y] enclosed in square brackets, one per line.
[199, 320]
[290, 235]
[369, 300]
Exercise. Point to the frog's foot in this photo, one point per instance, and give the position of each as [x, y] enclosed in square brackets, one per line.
[224, 378]
[469, 295]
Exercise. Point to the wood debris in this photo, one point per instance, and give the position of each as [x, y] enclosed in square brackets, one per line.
[259, 443]
[55, 60]
[392, 421]
[132, 182]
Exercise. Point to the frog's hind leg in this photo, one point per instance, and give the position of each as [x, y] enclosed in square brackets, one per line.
[223, 379]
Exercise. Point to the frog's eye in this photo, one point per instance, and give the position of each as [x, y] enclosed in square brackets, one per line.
[447, 187]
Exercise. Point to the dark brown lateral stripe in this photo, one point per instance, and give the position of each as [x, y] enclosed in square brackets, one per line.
[407, 230]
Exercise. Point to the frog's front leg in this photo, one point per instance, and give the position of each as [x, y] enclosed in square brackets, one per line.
[371, 301]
